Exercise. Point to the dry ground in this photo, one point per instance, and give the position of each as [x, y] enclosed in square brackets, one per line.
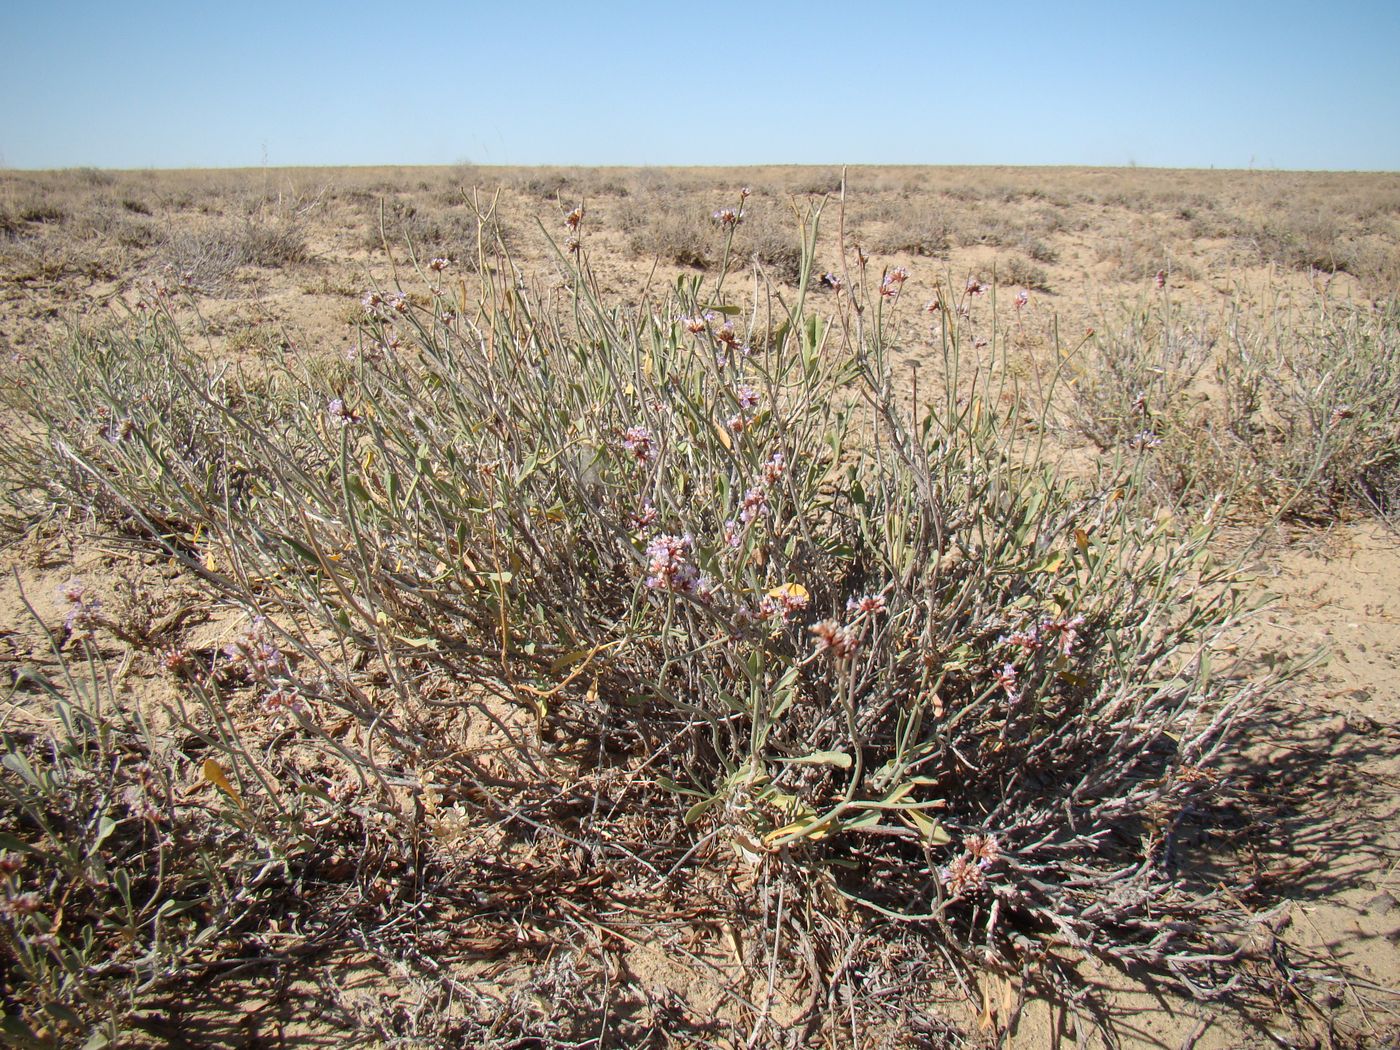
[270, 263]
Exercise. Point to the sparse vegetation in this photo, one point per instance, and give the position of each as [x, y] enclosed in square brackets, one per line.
[555, 617]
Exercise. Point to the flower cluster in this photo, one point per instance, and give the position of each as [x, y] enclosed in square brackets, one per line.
[975, 287]
[574, 218]
[832, 281]
[834, 637]
[842, 640]
[894, 281]
[638, 441]
[967, 873]
[668, 561]
[284, 703]
[254, 652]
[439, 264]
[644, 517]
[84, 610]
[748, 398]
[727, 217]
[1144, 439]
[755, 503]
[697, 324]
[784, 601]
[866, 604]
[774, 469]
[336, 410]
[1022, 298]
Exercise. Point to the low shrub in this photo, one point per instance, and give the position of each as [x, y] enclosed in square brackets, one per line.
[901, 663]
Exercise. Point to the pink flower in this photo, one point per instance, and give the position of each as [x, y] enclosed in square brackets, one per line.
[637, 440]
[866, 604]
[774, 469]
[1006, 678]
[755, 503]
[643, 518]
[835, 638]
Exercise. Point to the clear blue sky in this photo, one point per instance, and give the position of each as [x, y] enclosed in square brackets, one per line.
[1177, 84]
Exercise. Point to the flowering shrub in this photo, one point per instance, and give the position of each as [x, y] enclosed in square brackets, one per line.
[894, 656]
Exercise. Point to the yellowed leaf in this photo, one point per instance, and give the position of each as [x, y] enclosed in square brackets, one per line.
[214, 773]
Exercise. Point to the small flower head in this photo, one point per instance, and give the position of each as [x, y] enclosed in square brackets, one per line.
[963, 876]
[175, 660]
[832, 281]
[1065, 633]
[574, 218]
[975, 287]
[283, 703]
[1028, 640]
[372, 301]
[727, 217]
[697, 324]
[339, 414]
[254, 651]
[735, 424]
[1022, 298]
[638, 441]
[84, 611]
[835, 638]
[866, 604]
[643, 517]
[668, 560]
[755, 503]
[727, 335]
[1144, 439]
[747, 397]
[439, 264]
[774, 469]
[1007, 678]
[733, 533]
[984, 849]
[893, 281]
[1161, 279]
[786, 600]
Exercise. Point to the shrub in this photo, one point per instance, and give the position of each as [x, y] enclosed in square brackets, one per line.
[901, 662]
[1287, 409]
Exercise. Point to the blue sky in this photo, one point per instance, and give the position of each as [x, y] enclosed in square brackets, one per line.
[1185, 84]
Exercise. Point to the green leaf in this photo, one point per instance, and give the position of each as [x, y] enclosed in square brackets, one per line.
[933, 832]
[700, 808]
[105, 827]
[14, 845]
[839, 759]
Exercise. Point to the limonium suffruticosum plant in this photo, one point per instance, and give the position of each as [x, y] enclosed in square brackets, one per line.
[894, 652]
